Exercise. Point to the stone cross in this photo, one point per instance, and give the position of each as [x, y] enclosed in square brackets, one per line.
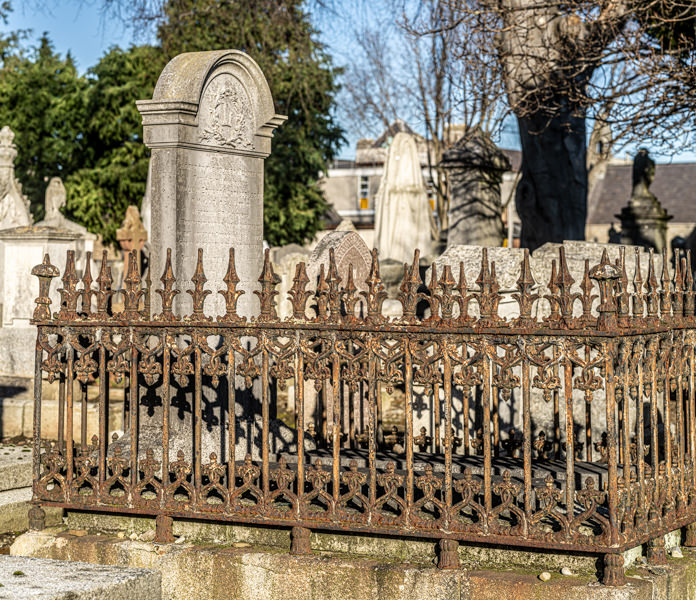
[132, 234]
[209, 125]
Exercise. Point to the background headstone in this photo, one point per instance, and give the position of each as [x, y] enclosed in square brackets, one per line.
[475, 169]
[644, 220]
[209, 125]
[402, 219]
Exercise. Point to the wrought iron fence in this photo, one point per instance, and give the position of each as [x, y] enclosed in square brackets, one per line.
[465, 457]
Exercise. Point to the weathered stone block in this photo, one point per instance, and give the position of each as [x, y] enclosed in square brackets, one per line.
[24, 578]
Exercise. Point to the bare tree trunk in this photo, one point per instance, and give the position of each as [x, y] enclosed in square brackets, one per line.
[551, 196]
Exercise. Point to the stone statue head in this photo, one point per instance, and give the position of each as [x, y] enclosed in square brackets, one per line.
[8, 151]
[55, 198]
[643, 169]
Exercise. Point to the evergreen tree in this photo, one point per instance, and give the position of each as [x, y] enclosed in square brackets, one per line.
[114, 164]
[278, 35]
[42, 100]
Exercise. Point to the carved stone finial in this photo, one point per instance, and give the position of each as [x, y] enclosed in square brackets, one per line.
[55, 199]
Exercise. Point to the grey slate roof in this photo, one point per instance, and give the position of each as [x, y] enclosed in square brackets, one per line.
[674, 186]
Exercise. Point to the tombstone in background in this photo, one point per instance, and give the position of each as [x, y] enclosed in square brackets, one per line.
[402, 220]
[20, 248]
[475, 168]
[644, 220]
[349, 250]
[14, 206]
[209, 126]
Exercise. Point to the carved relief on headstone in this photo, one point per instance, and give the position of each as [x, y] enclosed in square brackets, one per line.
[209, 125]
[228, 120]
[14, 206]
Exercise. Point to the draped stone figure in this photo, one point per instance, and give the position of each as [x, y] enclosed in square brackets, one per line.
[402, 219]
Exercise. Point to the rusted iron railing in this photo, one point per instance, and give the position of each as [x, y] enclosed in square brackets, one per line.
[468, 456]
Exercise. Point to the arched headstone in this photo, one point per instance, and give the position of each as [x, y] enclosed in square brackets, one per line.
[209, 125]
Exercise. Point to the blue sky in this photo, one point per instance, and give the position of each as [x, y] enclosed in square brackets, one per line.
[78, 27]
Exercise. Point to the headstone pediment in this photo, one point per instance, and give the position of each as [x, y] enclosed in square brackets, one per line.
[222, 98]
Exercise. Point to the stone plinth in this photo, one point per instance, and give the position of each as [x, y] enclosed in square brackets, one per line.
[21, 248]
[209, 125]
[360, 571]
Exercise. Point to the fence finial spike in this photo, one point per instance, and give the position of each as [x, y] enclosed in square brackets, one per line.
[231, 294]
[104, 283]
[688, 287]
[298, 294]
[666, 288]
[167, 293]
[606, 275]
[87, 291]
[321, 294]
[446, 298]
[525, 298]
[408, 290]
[333, 281]
[44, 272]
[133, 289]
[652, 289]
[268, 280]
[350, 298]
[68, 293]
[552, 296]
[198, 293]
[488, 297]
[622, 295]
[375, 294]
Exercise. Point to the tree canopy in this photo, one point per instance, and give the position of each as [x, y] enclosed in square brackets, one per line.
[112, 172]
